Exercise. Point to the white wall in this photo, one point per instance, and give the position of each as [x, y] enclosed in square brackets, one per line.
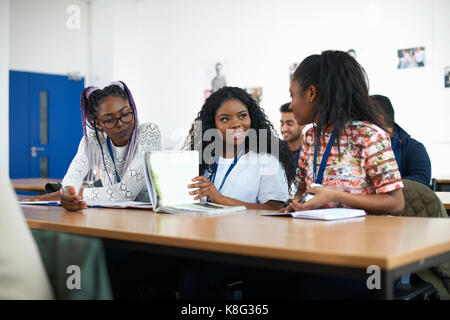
[101, 43]
[178, 43]
[166, 52]
[40, 40]
[4, 86]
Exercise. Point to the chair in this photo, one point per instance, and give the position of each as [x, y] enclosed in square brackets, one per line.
[421, 201]
[60, 250]
[433, 184]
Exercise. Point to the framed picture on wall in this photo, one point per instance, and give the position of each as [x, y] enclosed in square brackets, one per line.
[292, 68]
[411, 58]
[256, 93]
[447, 77]
[352, 52]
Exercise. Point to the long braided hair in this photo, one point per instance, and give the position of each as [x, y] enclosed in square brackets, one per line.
[259, 120]
[343, 89]
[91, 99]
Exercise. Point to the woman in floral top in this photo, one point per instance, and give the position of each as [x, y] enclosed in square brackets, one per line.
[331, 91]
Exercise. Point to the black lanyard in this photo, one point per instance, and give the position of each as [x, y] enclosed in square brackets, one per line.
[108, 142]
[318, 179]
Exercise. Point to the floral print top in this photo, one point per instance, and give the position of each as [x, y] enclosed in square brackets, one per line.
[366, 163]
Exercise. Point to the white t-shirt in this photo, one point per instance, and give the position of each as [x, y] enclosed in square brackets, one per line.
[256, 178]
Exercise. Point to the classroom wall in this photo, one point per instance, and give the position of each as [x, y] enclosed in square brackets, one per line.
[40, 40]
[179, 42]
[166, 52]
[4, 85]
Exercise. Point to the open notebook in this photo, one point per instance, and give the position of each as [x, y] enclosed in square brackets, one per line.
[168, 174]
[323, 214]
[96, 203]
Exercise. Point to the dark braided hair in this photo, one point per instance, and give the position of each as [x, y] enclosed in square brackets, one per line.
[258, 119]
[91, 99]
[343, 91]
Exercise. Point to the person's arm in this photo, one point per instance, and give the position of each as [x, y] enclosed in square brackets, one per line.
[418, 164]
[133, 180]
[79, 167]
[206, 188]
[269, 205]
[381, 174]
[381, 203]
[54, 196]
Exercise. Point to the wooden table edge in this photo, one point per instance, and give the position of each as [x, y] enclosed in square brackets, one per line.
[323, 258]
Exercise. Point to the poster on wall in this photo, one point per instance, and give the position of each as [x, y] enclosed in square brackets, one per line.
[217, 82]
[207, 93]
[352, 52]
[411, 58]
[256, 93]
[447, 77]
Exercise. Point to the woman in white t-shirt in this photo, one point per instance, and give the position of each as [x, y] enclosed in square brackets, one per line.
[243, 161]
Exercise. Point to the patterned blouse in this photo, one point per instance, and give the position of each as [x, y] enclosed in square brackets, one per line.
[132, 185]
[366, 164]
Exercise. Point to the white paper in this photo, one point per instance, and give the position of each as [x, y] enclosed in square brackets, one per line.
[118, 204]
[49, 203]
[173, 170]
[323, 214]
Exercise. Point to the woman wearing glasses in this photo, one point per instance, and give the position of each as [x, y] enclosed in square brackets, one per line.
[113, 142]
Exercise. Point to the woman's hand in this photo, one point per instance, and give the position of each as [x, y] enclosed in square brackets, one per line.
[54, 196]
[290, 207]
[322, 196]
[71, 201]
[205, 188]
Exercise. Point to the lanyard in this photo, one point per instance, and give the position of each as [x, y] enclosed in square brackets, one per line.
[323, 163]
[108, 142]
[213, 176]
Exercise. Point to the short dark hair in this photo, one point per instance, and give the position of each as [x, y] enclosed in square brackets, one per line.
[285, 107]
[386, 107]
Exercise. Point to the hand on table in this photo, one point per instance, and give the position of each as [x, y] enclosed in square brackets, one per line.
[322, 196]
[71, 201]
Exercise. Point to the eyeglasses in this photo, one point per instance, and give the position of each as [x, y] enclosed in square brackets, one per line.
[112, 123]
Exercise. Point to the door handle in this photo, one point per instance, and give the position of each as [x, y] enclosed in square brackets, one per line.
[34, 151]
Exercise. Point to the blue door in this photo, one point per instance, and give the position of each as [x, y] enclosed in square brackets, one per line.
[44, 124]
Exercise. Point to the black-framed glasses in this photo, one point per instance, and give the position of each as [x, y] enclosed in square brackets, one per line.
[112, 123]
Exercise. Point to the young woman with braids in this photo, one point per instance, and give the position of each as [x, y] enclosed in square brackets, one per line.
[242, 172]
[354, 162]
[113, 142]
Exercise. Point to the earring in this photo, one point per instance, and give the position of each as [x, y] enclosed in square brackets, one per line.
[310, 100]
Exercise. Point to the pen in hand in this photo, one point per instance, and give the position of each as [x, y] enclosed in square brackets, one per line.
[64, 189]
